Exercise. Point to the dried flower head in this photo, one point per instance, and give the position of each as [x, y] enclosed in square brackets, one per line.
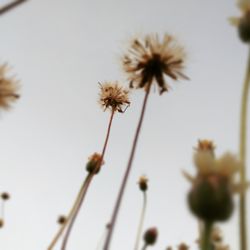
[210, 197]
[143, 183]
[150, 59]
[94, 163]
[5, 196]
[113, 96]
[150, 236]
[8, 88]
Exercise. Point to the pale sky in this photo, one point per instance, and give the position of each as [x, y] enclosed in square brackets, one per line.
[60, 50]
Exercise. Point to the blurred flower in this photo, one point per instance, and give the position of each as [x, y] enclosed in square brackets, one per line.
[210, 197]
[94, 163]
[150, 59]
[143, 183]
[8, 88]
[113, 96]
[150, 236]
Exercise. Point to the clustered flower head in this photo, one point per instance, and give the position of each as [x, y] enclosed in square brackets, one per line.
[113, 96]
[143, 183]
[150, 59]
[8, 88]
[210, 197]
[94, 163]
[243, 22]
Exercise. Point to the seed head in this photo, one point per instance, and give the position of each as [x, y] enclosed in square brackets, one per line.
[8, 88]
[114, 97]
[149, 59]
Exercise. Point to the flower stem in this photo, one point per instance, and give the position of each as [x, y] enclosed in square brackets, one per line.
[10, 6]
[80, 197]
[79, 204]
[70, 215]
[242, 152]
[145, 246]
[91, 175]
[127, 172]
[206, 237]
[139, 232]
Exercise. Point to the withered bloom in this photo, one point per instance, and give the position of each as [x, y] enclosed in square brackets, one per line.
[114, 97]
[150, 59]
[8, 88]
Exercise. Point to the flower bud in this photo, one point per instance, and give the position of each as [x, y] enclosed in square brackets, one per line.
[143, 183]
[94, 163]
[5, 196]
[210, 198]
[61, 219]
[150, 236]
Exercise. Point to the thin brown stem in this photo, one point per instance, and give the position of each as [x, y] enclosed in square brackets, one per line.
[10, 6]
[71, 213]
[72, 221]
[242, 152]
[127, 172]
[87, 184]
[143, 212]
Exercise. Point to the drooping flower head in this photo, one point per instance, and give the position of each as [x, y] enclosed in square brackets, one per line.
[8, 88]
[113, 96]
[150, 59]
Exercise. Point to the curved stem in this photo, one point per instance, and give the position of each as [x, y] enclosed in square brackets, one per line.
[139, 231]
[71, 213]
[127, 172]
[242, 152]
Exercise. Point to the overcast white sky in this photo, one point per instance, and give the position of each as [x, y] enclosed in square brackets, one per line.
[60, 49]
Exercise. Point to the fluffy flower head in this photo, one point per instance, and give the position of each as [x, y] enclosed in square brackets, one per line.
[8, 88]
[114, 97]
[151, 59]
